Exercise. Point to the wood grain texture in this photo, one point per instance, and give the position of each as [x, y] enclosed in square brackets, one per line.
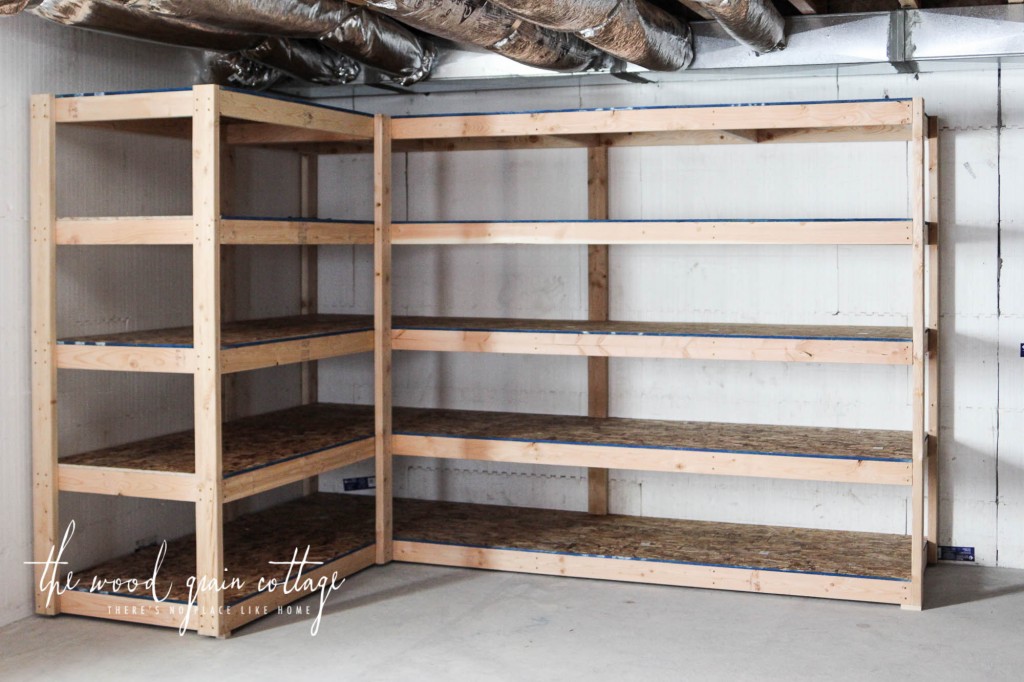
[249, 443]
[333, 526]
[598, 308]
[239, 334]
[382, 344]
[769, 548]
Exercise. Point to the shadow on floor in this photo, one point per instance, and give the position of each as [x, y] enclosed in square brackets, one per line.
[947, 585]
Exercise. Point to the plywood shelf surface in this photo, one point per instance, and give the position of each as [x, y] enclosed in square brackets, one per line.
[246, 345]
[710, 341]
[852, 455]
[838, 554]
[333, 526]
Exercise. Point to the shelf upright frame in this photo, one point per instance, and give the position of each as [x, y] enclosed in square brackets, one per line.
[382, 335]
[598, 308]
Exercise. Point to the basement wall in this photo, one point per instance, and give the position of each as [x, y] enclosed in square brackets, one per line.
[982, 148]
[114, 288]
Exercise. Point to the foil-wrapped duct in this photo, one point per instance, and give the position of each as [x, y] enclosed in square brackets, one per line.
[480, 23]
[235, 70]
[8, 7]
[755, 23]
[304, 60]
[632, 30]
[376, 41]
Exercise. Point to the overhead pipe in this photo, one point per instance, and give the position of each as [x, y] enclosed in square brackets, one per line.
[632, 30]
[755, 23]
[483, 24]
[376, 41]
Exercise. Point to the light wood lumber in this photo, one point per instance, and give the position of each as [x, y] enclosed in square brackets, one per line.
[382, 335]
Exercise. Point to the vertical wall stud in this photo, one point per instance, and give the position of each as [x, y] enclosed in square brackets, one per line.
[206, 149]
[309, 259]
[934, 346]
[382, 332]
[46, 513]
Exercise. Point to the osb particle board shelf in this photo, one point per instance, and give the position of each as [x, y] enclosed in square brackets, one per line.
[339, 530]
[860, 232]
[821, 563]
[773, 343]
[258, 453]
[245, 345]
[179, 230]
[802, 453]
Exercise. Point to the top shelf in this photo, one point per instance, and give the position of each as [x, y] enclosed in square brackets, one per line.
[163, 107]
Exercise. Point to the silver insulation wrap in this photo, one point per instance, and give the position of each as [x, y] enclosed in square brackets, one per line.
[304, 60]
[235, 70]
[374, 40]
[755, 23]
[480, 23]
[12, 6]
[632, 30]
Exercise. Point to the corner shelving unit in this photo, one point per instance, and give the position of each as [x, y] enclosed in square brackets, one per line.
[823, 563]
[217, 462]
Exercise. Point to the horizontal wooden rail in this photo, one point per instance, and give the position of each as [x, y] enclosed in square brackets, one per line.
[134, 230]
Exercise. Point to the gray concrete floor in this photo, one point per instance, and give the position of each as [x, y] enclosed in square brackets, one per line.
[405, 622]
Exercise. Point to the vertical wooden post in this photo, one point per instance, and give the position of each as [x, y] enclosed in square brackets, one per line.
[308, 304]
[597, 368]
[382, 331]
[206, 148]
[934, 347]
[228, 272]
[45, 510]
[917, 201]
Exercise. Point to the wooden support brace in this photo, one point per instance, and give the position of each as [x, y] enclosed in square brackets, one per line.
[308, 304]
[382, 334]
[598, 309]
[934, 321]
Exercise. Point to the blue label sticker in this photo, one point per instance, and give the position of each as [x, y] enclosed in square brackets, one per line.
[956, 553]
[361, 483]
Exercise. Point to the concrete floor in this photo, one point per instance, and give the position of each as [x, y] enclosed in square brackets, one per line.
[407, 622]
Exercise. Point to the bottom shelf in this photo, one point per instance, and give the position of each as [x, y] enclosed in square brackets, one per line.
[339, 530]
[820, 563]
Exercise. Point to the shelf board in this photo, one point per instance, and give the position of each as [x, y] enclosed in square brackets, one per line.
[178, 230]
[127, 231]
[705, 341]
[850, 232]
[790, 452]
[247, 345]
[780, 560]
[339, 530]
[274, 231]
[259, 453]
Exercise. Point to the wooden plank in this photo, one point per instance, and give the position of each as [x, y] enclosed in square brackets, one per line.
[761, 350]
[290, 232]
[879, 133]
[268, 134]
[43, 197]
[206, 150]
[382, 334]
[281, 112]
[304, 469]
[125, 359]
[933, 384]
[256, 606]
[128, 609]
[598, 310]
[918, 189]
[154, 485]
[786, 116]
[126, 107]
[135, 230]
[866, 232]
[309, 201]
[809, 6]
[645, 459]
[252, 357]
[679, 575]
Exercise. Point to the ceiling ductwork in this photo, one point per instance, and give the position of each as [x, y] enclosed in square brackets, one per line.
[631, 30]
[483, 24]
[755, 23]
[235, 70]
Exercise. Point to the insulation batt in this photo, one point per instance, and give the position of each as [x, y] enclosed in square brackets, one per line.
[480, 23]
[12, 6]
[235, 70]
[755, 23]
[633, 30]
[374, 40]
[305, 60]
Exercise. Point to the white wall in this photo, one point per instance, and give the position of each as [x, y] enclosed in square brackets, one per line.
[982, 146]
[104, 289]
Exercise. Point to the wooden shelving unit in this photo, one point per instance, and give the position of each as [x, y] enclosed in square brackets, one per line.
[217, 462]
[222, 461]
[846, 565]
